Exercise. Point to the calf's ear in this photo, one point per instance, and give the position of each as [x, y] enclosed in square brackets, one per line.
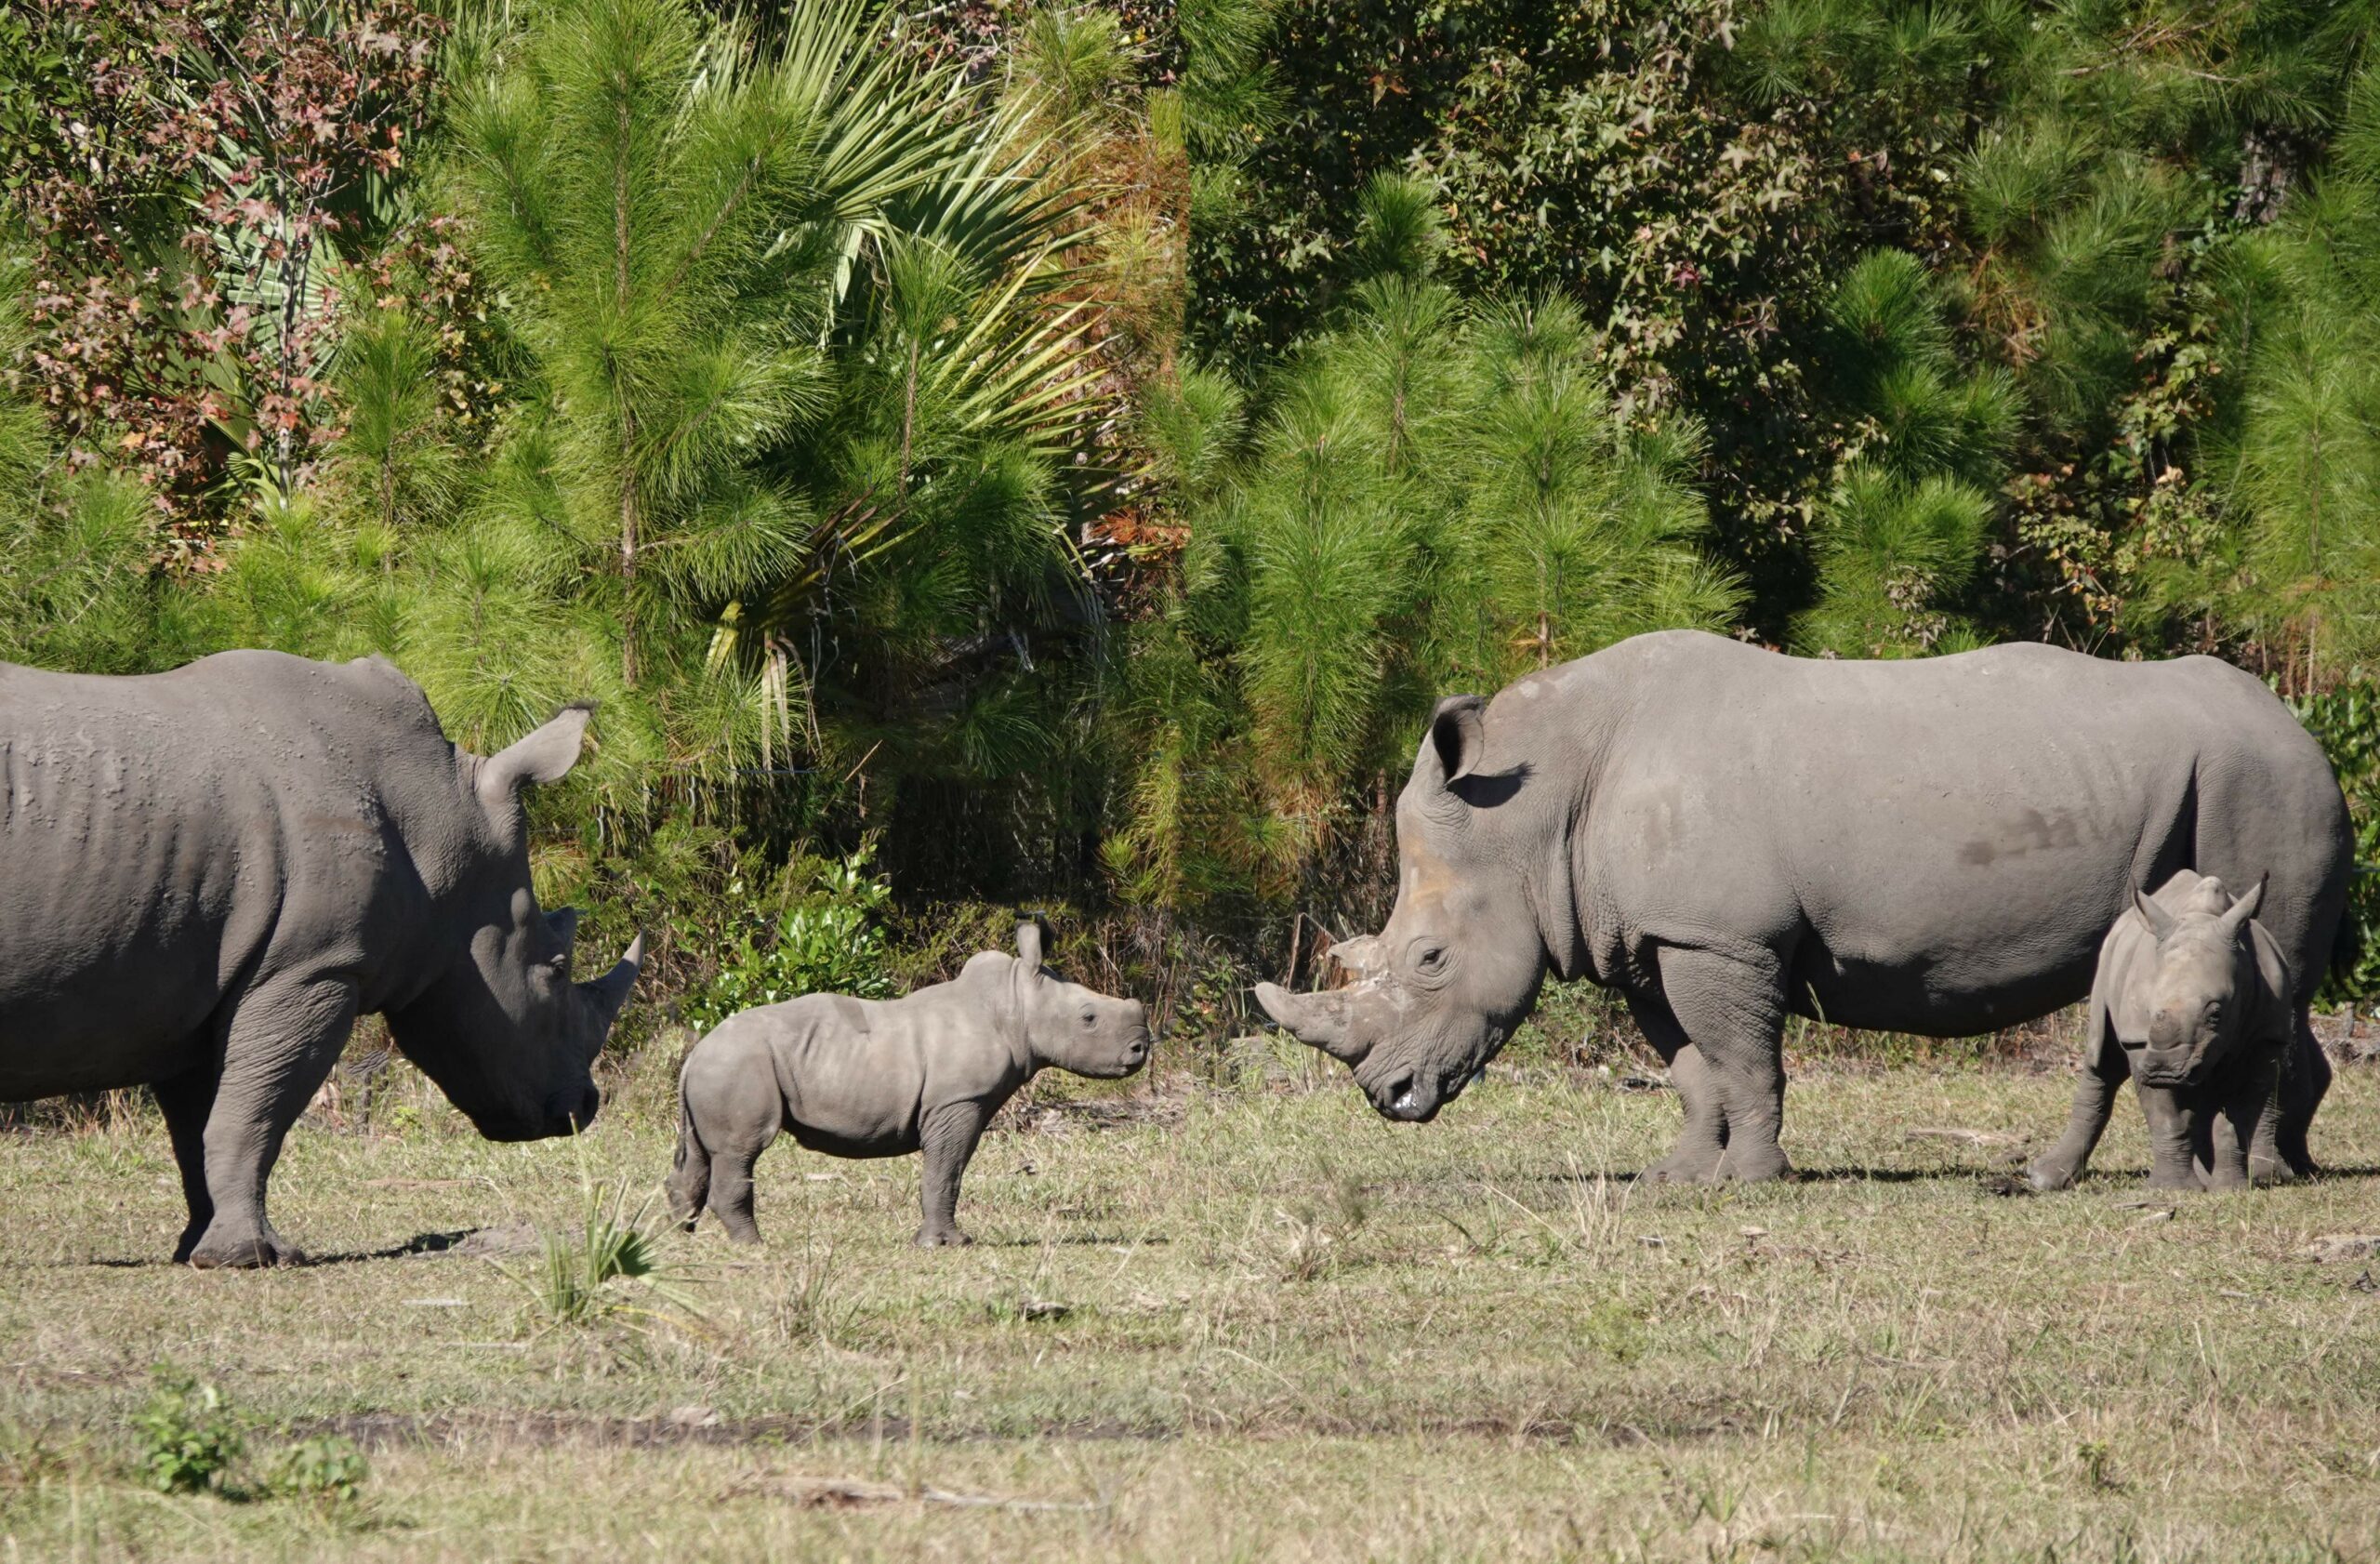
[2160, 921]
[1029, 937]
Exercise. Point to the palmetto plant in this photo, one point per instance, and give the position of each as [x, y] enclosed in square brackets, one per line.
[792, 322]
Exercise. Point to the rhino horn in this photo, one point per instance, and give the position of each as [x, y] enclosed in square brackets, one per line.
[2245, 907]
[1317, 1020]
[611, 990]
[2160, 921]
[1349, 961]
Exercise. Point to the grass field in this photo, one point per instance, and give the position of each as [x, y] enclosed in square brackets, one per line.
[1248, 1323]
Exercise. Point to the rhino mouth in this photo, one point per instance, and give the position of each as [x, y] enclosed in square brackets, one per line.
[1411, 1099]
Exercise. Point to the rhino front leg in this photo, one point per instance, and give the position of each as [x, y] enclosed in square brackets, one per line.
[2244, 1123]
[1695, 1159]
[947, 1137]
[186, 1100]
[1734, 1011]
[283, 1040]
[2175, 1132]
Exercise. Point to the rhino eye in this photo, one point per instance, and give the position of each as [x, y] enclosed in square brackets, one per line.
[1089, 1018]
[1433, 958]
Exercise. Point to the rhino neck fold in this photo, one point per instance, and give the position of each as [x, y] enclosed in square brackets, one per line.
[1551, 875]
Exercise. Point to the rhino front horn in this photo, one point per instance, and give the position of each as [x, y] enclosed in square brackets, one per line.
[611, 990]
[1317, 1020]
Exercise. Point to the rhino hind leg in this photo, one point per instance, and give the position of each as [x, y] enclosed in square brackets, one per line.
[731, 1193]
[283, 1040]
[185, 1101]
[2303, 1085]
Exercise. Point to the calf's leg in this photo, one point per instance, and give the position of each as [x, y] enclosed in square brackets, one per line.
[947, 1137]
[2175, 1132]
[1735, 1011]
[2095, 1096]
[282, 1038]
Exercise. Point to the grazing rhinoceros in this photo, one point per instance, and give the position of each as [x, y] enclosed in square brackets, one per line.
[206, 875]
[2192, 1000]
[884, 1078]
[1728, 836]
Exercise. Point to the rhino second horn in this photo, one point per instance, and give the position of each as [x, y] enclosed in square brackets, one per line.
[1317, 1020]
[611, 990]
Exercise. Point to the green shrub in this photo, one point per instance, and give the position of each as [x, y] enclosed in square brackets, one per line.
[328, 1470]
[187, 1436]
[2346, 721]
[831, 940]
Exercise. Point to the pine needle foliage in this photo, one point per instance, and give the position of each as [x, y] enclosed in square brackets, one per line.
[2305, 469]
[1437, 497]
[1904, 522]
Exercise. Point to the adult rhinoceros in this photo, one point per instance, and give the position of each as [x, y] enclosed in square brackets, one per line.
[206, 875]
[1728, 836]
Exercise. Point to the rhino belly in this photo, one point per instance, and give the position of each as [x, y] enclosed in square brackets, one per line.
[1931, 996]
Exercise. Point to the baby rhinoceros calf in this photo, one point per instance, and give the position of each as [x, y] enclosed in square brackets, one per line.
[2191, 1001]
[884, 1078]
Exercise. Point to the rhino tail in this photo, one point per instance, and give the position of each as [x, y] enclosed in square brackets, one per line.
[689, 1183]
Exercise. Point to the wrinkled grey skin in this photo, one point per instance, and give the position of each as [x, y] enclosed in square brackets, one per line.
[2191, 999]
[1728, 836]
[884, 1078]
[206, 875]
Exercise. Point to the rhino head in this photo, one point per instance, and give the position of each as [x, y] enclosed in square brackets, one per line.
[503, 1029]
[1077, 1029]
[1438, 991]
[2200, 986]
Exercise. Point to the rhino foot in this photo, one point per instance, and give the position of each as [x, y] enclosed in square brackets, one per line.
[2046, 1176]
[941, 1238]
[247, 1252]
[2271, 1169]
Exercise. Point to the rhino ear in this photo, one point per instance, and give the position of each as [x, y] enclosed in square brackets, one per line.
[1029, 935]
[2245, 907]
[1458, 736]
[546, 755]
[2160, 921]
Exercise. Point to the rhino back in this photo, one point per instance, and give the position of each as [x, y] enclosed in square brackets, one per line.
[166, 839]
[1934, 845]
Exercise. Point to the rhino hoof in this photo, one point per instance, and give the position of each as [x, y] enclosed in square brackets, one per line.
[949, 1238]
[253, 1253]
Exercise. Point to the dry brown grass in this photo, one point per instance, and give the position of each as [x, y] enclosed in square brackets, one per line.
[1244, 1323]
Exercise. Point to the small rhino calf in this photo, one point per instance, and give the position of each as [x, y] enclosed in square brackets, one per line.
[2191, 999]
[884, 1078]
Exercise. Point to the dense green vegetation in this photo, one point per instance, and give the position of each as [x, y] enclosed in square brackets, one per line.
[1070, 447]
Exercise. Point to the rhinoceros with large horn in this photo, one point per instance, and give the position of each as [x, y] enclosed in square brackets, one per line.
[1728, 836]
[206, 875]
